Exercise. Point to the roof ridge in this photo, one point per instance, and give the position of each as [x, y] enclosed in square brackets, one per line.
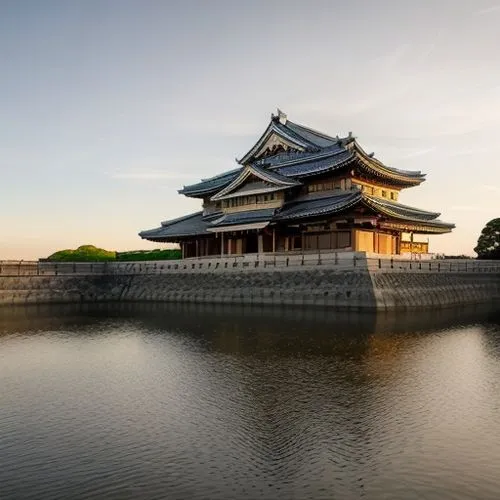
[317, 132]
[312, 157]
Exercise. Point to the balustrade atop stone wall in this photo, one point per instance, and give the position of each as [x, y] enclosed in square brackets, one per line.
[344, 280]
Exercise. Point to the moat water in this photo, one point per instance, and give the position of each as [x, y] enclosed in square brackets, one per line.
[175, 402]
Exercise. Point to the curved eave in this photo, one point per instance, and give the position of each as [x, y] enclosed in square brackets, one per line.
[419, 227]
[200, 193]
[411, 223]
[173, 230]
[404, 178]
[155, 235]
[387, 175]
[160, 239]
[208, 187]
[171, 222]
[396, 209]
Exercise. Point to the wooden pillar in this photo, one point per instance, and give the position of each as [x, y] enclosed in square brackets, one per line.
[286, 243]
[274, 240]
[183, 250]
[221, 244]
[260, 239]
[354, 240]
[197, 254]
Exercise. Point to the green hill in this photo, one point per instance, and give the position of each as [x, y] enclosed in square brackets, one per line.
[90, 253]
[85, 253]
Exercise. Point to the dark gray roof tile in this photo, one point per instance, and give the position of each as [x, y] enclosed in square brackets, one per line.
[252, 216]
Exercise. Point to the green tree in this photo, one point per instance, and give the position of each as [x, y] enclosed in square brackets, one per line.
[488, 244]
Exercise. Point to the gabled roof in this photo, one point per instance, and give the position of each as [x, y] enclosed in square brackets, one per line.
[271, 181]
[278, 127]
[307, 148]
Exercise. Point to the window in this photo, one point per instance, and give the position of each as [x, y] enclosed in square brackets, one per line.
[393, 196]
[384, 194]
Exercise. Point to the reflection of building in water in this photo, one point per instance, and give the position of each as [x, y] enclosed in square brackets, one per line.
[299, 189]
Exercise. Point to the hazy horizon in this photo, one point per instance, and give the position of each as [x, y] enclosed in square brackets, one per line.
[109, 107]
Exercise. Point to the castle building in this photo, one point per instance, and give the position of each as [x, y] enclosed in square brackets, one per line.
[301, 190]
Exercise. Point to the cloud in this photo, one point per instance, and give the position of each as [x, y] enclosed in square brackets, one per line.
[391, 58]
[487, 187]
[488, 10]
[220, 127]
[151, 175]
[419, 152]
[466, 208]
[468, 152]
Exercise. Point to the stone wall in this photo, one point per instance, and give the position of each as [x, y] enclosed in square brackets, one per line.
[433, 290]
[321, 287]
[351, 282]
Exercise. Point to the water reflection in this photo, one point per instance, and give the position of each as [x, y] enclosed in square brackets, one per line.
[162, 401]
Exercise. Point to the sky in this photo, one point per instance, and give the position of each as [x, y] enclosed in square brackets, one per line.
[108, 107]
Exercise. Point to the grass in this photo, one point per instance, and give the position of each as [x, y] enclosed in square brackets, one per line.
[90, 253]
[167, 254]
[85, 253]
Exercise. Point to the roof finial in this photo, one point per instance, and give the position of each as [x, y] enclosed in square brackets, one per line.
[282, 117]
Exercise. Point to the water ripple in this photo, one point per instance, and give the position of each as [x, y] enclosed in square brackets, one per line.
[169, 402]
